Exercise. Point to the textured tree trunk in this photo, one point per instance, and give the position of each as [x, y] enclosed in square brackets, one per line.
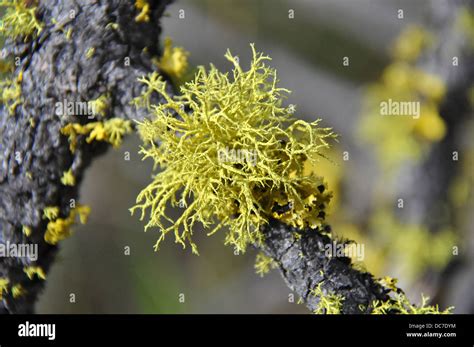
[33, 153]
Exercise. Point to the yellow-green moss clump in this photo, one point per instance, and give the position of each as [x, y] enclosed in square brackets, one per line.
[230, 155]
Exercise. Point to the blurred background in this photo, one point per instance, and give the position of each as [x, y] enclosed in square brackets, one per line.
[110, 265]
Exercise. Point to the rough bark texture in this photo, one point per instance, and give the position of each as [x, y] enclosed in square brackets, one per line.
[56, 69]
[306, 261]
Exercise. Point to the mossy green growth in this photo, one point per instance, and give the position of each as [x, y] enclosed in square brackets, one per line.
[328, 303]
[230, 155]
[19, 19]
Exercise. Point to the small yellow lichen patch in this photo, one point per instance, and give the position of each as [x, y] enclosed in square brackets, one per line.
[3, 286]
[17, 290]
[263, 264]
[90, 52]
[60, 228]
[26, 230]
[68, 34]
[328, 303]
[144, 7]
[51, 212]
[389, 282]
[31, 271]
[399, 304]
[115, 129]
[68, 178]
[111, 131]
[174, 60]
[100, 105]
[10, 95]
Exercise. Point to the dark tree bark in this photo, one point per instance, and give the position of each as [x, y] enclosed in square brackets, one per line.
[33, 158]
[305, 262]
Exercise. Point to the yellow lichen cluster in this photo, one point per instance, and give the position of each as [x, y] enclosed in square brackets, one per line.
[10, 95]
[235, 158]
[60, 228]
[328, 303]
[174, 61]
[111, 131]
[26, 230]
[19, 19]
[4, 282]
[50, 212]
[144, 7]
[90, 52]
[100, 105]
[32, 271]
[398, 303]
[263, 264]
[16, 290]
[68, 178]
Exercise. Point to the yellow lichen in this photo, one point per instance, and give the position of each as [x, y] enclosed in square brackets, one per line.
[26, 230]
[51, 212]
[90, 52]
[233, 160]
[263, 264]
[68, 178]
[144, 7]
[174, 60]
[3, 286]
[328, 303]
[10, 95]
[60, 228]
[399, 304]
[111, 131]
[100, 105]
[31, 271]
[19, 19]
[17, 290]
